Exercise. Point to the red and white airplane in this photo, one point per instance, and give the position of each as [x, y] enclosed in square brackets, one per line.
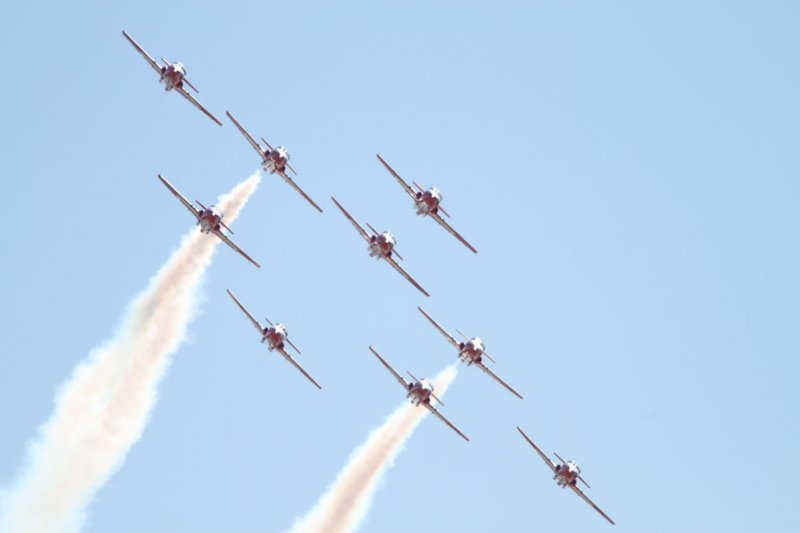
[566, 474]
[208, 218]
[381, 246]
[428, 203]
[470, 351]
[173, 76]
[274, 160]
[419, 392]
[275, 336]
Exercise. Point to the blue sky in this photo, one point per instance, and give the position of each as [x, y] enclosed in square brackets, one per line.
[627, 171]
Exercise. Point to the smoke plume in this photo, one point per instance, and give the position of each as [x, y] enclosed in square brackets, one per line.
[342, 508]
[102, 410]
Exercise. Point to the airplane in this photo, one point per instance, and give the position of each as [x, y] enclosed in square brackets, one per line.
[208, 218]
[428, 203]
[381, 246]
[275, 336]
[173, 76]
[419, 392]
[567, 474]
[274, 160]
[470, 351]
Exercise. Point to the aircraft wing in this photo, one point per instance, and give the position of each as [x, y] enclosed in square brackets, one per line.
[497, 379]
[255, 323]
[405, 274]
[454, 233]
[192, 209]
[253, 142]
[580, 493]
[197, 104]
[441, 417]
[406, 385]
[443, 331]
[355, 224]
[142, 51]
[233, 245]
[402, 183]
[296, 187]
[544, 457]
[298, 367]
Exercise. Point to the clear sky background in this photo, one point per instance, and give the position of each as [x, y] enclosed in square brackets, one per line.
[628, 171]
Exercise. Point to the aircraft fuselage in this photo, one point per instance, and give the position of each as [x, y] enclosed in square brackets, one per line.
[567, 474]
[274, 337]
[172, 76]
[208, 220]
[471, 351]
[381, 245]
[276, 160]
[428, 202]
[420, 393]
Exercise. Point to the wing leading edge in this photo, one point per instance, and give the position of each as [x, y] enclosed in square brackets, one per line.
[298, 367]
[400, 180]
[224, 238]
[293, 184]
[143, 53]
[250, 139]
[252, 319]
[405, 274]
[443, 331]
[441, 417]
[454, 233]
[544, 457]
[361, 231]
[499, 380]
[197, 104]
[186, 203]
[406, 385]
[585, 498]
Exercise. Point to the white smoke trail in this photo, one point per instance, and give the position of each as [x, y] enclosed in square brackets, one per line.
[345, 504]
[101, 412]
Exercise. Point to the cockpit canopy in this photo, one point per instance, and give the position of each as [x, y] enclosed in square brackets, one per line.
[281, 329]
[389, 237]
[283, 152]
[178, 67]
[436, 193]
[216, 212]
